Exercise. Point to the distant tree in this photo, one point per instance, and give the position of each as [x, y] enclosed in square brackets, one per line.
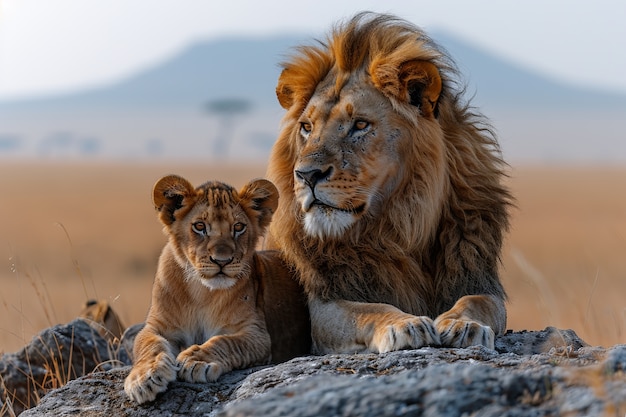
[226, 111]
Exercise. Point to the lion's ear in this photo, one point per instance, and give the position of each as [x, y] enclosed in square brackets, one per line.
[284, 92]
[169, 195]
[423, 85]
[417, 82]
[261, 196]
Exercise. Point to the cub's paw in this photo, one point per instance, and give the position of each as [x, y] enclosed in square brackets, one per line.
[147, 379]
[197, 366]
[464, 333]
[404, 332]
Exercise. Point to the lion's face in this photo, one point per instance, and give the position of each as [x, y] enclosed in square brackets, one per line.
[361, 124]
[348, 156]
[213, 229]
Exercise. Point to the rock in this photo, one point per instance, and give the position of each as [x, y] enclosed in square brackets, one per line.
[527, 343]
[55, 356]
[544, 373]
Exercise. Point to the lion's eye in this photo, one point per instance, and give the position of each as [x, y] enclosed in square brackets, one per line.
[361, 125]
[239, 228]
[305, 128]
[199, 228]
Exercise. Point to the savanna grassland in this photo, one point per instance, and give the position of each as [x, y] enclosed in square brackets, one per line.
[71, 232]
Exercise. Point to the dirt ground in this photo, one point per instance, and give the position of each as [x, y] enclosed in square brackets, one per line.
[71, 232]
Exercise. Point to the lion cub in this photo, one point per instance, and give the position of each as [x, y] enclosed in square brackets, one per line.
[217, 304]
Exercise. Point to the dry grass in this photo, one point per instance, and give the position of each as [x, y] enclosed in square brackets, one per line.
[54, 366]
[74, 232]
[565, 258]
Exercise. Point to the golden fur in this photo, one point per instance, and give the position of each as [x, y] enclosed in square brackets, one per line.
[392, 206]
[213, 292]
[101, 317]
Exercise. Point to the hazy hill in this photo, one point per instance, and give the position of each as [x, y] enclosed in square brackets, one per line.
[248, 69]
[230, 68]
[500, 83]
[165, 111]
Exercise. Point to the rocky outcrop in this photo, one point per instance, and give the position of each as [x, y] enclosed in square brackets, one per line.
[55, 356]
[545, 373]
[444, 383]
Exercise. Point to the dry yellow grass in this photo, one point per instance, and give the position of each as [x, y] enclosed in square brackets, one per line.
[70, 232]
[565, 257]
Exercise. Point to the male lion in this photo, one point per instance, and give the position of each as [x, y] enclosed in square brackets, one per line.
[216, 303]
[392, 208]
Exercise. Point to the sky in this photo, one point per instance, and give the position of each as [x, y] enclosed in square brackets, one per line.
[60, 46]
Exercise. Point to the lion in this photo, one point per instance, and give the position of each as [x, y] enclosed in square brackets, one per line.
[100, 315]
[217, 304]
[392, 207]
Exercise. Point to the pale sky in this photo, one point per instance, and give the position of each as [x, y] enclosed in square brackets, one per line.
[49, 46]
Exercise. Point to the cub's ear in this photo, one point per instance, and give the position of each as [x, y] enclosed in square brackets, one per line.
[417, 82]
[262, 197]
[169, 195]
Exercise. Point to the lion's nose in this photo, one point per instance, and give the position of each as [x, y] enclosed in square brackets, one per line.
[312, 177]
[222, 262]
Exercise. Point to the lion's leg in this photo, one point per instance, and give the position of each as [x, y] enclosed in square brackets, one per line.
[473, 320]
[348, 327]
[153, 369]
[221, 354]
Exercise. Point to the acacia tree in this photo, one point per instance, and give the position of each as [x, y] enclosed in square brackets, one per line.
[226, 110]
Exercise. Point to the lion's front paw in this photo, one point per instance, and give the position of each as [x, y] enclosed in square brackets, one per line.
[405, 332]
[463, 333]
[147, 379]
[196, 366]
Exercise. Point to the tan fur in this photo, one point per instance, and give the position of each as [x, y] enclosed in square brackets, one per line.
[212, 292]
[101, 317]
[392, 208]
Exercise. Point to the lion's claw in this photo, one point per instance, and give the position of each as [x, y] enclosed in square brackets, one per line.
[463, 333]
[146, 381]
[406, 332]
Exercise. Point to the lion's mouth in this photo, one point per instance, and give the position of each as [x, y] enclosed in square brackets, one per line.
[211, 279]
[327, 207]
[217, 275]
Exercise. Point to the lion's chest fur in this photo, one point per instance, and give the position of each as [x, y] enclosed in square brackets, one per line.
[355, 272]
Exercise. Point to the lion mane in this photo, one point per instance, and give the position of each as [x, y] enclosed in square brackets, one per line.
[434, 229]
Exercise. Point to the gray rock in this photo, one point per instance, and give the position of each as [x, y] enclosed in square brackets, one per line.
[527, 343]
[544, 373]
[55, 356]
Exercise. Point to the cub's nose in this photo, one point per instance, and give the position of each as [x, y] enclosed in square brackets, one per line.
[313, 176]
[222, 262]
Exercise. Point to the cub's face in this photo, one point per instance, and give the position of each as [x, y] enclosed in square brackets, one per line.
[213, 229]
[216, 239]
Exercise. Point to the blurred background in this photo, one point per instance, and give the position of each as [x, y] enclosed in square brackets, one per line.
[100, 99]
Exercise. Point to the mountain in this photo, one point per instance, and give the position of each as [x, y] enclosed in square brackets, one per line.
[497, 82]
[231, 68]
[218, 96]
[248, 69]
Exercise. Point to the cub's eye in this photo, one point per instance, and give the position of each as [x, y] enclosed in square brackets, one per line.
[305, 129]
[361, 125]
[239, 228]
[199, 228]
